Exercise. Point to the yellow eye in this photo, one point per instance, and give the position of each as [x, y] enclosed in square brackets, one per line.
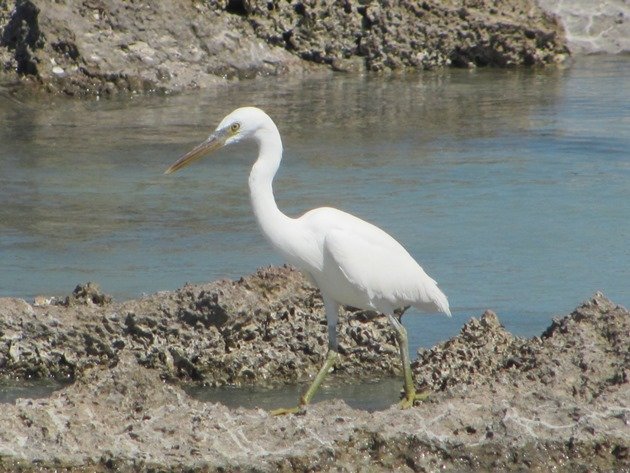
[234, 127]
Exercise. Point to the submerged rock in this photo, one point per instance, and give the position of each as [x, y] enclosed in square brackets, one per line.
[490, 412]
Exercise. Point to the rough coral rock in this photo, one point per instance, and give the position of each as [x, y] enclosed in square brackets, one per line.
[104, 48]
[499, 408]
[267, 328]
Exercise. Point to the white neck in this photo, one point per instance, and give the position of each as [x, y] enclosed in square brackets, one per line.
[275, 225]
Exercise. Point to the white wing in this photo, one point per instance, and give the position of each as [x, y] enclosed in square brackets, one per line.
[364, 264]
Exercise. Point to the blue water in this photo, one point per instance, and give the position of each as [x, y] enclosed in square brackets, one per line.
[511, 187]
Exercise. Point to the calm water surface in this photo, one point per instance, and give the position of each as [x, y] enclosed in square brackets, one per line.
[10, 391]
[512, 188]
[376, 395]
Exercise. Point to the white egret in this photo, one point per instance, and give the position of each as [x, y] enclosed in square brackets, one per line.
[351, 261]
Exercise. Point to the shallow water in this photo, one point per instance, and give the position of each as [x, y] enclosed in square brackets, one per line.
[10, 391]
[511, 187]
[376, 395]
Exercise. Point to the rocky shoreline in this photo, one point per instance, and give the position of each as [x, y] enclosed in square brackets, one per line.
[265, 329]
[112, 47]
[560, 401]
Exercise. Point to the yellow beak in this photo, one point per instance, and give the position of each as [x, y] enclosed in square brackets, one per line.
[214, 142]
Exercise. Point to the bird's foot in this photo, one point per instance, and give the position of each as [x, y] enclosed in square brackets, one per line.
[411, 398]
[298, 410]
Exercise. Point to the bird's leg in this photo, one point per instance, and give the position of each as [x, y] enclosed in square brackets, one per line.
[403, 344]
[331, 358]
[332, 315]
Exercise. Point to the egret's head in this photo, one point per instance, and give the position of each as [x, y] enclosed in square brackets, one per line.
[242, 124]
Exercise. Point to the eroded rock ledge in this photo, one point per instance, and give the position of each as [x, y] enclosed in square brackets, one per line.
[557, 402]
[107, 47]
[267, 328]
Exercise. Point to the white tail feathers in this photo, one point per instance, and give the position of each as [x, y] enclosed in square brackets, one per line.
[433, 300]
[441, 302]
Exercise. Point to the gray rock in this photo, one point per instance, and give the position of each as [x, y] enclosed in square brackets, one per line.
[267, 328]
[578, 357]
[496, 406]
[593, 26]
[110, 47]
[399, 34]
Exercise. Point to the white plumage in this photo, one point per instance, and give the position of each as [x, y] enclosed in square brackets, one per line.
[360, 265]
[352, 261]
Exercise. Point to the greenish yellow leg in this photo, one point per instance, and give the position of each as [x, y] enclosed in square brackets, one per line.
[331, 358]
[305, 399]
[332, 315]
[403, 344]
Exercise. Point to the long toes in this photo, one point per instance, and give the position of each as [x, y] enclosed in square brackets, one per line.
[406, 403]
[409, 400]
[422, 396]
[288, 410]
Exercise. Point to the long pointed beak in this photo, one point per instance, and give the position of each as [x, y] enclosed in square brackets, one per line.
[214, 142]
